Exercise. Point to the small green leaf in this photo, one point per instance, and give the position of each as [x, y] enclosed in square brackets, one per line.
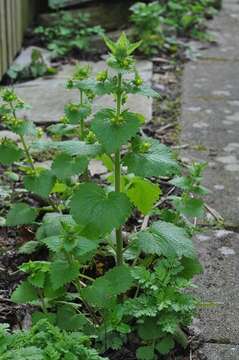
[77, 112]
[98, 211]
[165, 345]
[62, 272]
[191, 267]
[24, 128]
[29, 247]
[145, 353]
[9, 152]
[64, 166]
[157, 161]
[25, 293]
[21, 214]
[143, 193]
[113, 132]
[190, 207]
[40, 184]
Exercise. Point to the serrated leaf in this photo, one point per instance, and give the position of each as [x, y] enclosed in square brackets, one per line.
[52, 225]
[190, 207]
[165, 345]
[157, 161]
[68, 319]
[166, 239]
[70, 147]
[104, 289]
[191, 267]
[143, 90]
[149, 329]
[77, 112]
[145, 353]
[21, 214]
[62, 272]
[24, 128]
[143, 194]
[111, 135]
[64, 166]
[25, 293]
[9, 153]
[29, 247]
[40, 184]
[98, 211]
[54, 243]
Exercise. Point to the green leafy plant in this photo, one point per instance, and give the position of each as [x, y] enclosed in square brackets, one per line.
[35, 69]
[148, 21]
[157, 23]
[68, 33]
[100, 278]
[44, 342]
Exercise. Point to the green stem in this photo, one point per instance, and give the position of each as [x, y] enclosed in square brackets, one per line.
[118, 232]
[27, 152]
[82, 125]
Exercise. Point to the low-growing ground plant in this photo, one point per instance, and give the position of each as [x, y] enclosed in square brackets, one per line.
[68, 33]
[157, 23]
[103, 277]
[36, 68]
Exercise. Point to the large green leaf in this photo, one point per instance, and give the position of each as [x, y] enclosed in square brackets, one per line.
[40, 184]
[24, 293]
[145, 353]
[70, 147]
[9, 153]
[157, 161]
[21, 214]
[166, 239]
[98, 211]
[62, 272]
[113, 283]
[64, 166]
[143, 194]
[113, 135]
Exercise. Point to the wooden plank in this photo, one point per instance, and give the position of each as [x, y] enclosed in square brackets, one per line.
[3, 40]
[15, 16]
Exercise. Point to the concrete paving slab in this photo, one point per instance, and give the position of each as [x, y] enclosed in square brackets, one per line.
[218, 286]
[220, 352]
[210, 127]
[48, 97]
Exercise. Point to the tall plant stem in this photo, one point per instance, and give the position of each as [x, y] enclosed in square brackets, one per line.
[82, 127]
[118, 232]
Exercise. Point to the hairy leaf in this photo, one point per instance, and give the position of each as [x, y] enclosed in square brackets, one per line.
[62, 272]
[9, 153]
[40, 184]
[143, 193]
[98, 211]
[21, 214]
[166, 239]
[113, 283]
[112, 134]
[157, 161]
[25, 293]
[64, 166]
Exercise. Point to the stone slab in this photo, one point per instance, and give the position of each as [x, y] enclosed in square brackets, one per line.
[220, 352]
[25, 56]
[48, 97]
[218, 286]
